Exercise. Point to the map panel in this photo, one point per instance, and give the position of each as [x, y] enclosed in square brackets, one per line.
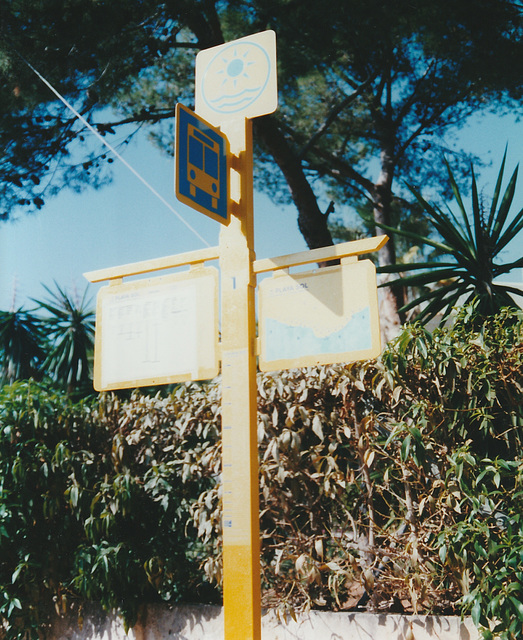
[320, 317]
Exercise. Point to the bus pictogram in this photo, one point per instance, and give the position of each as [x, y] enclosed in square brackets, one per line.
[202, 165]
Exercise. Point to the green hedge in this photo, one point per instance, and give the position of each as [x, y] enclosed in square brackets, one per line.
[94, 501]
[386, 485]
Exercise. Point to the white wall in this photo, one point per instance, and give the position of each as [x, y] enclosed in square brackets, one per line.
[206, 623]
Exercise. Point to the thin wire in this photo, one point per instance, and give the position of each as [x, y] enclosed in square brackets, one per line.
[113, 150]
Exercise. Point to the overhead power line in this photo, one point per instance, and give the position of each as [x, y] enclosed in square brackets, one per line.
[111, 148]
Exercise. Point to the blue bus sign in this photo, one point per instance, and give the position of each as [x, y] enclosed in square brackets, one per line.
[201, 165]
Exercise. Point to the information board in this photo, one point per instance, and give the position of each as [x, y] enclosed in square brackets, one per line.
[319, 317]
[157, 331]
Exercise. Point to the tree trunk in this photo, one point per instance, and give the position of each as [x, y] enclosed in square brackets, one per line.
[390, 300]
[311, 221]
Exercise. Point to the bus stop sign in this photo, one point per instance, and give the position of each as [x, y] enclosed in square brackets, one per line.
[201, 177]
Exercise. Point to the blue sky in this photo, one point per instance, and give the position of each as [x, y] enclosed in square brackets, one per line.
[121, 223]
[124, 222]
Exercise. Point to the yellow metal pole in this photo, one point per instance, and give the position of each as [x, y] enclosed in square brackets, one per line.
[241, 538]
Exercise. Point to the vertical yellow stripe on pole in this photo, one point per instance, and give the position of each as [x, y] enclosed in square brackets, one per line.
[241, 539]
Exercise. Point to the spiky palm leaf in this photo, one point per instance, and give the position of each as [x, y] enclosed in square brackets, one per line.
[70, 328]
[21, 345]
[465, 268]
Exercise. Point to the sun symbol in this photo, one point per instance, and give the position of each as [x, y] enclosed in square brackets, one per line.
[235, 68]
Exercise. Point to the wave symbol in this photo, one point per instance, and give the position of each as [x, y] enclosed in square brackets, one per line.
[226, 102]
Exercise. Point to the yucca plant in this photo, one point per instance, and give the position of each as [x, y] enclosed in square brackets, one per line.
[21, 345]
[70, 329]
[465, 266]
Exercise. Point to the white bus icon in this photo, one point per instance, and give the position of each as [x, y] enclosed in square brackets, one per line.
[203, 167]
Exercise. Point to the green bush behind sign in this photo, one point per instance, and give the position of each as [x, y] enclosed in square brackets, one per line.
[392, 484]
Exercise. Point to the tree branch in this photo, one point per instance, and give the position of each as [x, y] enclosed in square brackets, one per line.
[144, 116]
[345, 169]
[334, 114]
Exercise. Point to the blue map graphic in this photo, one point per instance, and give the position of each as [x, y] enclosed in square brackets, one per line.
[284, 341]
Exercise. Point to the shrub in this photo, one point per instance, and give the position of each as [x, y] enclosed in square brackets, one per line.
[341, 482]
[369, 472]
[94, 502]
[387, 485]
